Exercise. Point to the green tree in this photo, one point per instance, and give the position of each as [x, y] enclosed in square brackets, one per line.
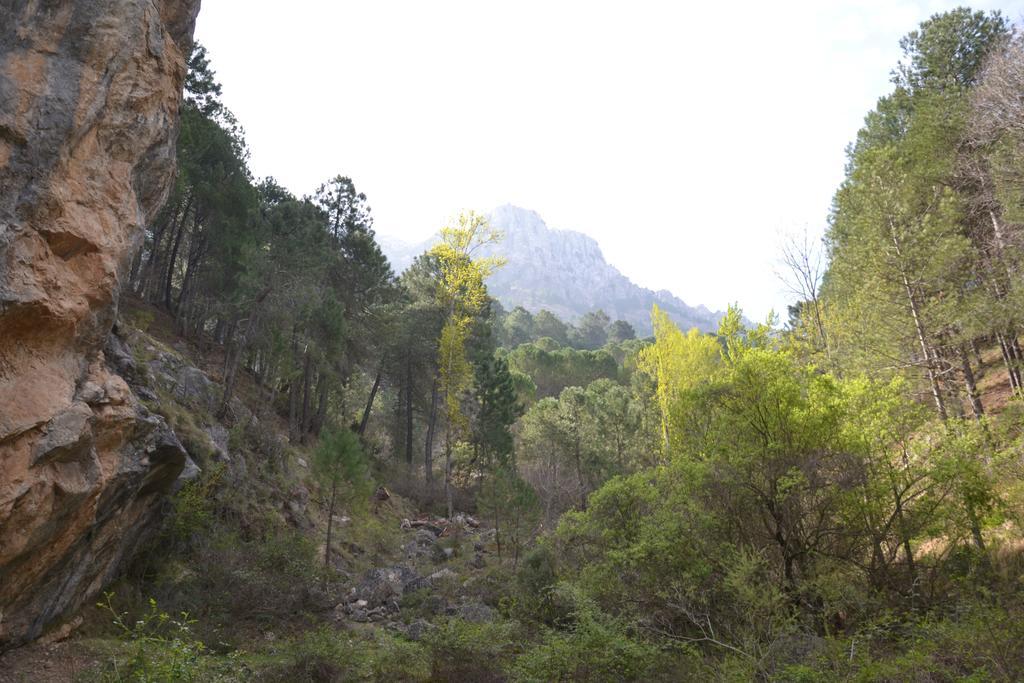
[906, 258]
[680, 364]
[546, 324]
[620, 331]
[499, 408]
[949, 50]
[592, 329]
[896, 237]
[338, 460]
[514, 509]
[554, 369]
[518, 327]
[570, 445]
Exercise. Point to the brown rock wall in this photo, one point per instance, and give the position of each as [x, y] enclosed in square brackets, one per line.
[89, 95]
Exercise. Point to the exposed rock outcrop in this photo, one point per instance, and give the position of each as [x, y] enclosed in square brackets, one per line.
[564, 272]
[89, 96]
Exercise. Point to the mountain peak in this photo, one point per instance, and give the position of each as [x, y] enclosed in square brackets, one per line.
[565, 272]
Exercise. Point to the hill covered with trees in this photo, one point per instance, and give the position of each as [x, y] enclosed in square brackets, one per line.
[401, 479]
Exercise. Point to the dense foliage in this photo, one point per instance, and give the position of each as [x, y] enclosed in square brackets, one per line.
[838, 500]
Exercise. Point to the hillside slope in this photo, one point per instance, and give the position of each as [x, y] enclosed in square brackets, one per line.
[241, 551]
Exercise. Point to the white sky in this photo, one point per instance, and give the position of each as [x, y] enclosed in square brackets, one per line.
[685, 138]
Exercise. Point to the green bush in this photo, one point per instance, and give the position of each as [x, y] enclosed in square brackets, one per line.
[326, 655]
[193, 505]
[464, 651]
[287, 553]
[974, 642]
[535, 597]
[140, 319]
[595, 648]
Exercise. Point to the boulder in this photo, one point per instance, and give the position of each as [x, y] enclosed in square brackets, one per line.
[421, 545]
[219, 437]
[440, 553]
[419, 629]
[476, 613]
[442, 575]
[194, 388]
[380, 586]
[295, 508]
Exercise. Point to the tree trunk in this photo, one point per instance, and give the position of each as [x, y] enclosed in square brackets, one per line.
[321, 403]
[428, 456]
[553, 462]
[972, 517]
[307, 380]
[997, 232]
[134, 271]
[408, 412]
[579, 471]
[218, 330]
[497, 529]
[369, 405]
[448, 466]
[169, 278]
[330, 525]
[293, 410]
[972, 388]
[192, 265]
[940, 406]
[1011, 369]
[229, 337]
[234, 356]
[233, 360]
[147, 274]
[1016, 355]
[904, 535]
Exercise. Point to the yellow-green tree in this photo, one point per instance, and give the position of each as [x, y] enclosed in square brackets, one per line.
[679, 362]
[462, 294]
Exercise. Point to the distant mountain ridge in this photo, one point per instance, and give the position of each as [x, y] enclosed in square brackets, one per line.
[565, 272]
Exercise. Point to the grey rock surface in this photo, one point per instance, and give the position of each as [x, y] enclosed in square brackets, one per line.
[564, 272]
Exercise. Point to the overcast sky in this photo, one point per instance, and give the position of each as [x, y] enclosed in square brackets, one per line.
[685, 138]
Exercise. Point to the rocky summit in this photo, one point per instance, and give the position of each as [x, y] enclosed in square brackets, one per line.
[566, 273]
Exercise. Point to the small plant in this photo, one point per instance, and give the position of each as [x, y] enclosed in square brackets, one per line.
[140, 319]
[464, 651]
[163, 647]
[237, 437]
[193, 504]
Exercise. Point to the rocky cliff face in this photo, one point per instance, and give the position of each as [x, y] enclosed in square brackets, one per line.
[89, 95]
[566, 273]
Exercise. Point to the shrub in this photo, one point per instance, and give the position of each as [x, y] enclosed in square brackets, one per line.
[536, 598]
[162, 647]
[975, 642]
[193, 505]
[464, 651]
[326, 655]
[595, 648]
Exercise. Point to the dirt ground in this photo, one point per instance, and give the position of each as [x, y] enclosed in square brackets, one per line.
[52, 663]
